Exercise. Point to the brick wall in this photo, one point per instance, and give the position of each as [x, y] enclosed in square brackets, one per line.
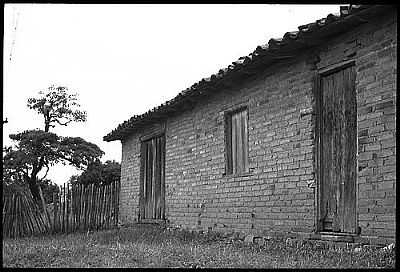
[277, 195]
[375, 48]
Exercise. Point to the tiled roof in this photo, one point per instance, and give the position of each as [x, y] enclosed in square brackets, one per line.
[306, 36]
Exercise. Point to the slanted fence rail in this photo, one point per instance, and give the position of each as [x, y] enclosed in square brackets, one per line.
[22, 216]
[75, 207]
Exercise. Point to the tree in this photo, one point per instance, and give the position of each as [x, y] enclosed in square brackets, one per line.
[99, 173]
[111, 171]
[37, 150]
[57, 106]
[48, 188]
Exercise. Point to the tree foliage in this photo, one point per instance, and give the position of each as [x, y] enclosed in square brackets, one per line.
[99, 173]
[49, 188]
[57, 106]
[37, 149]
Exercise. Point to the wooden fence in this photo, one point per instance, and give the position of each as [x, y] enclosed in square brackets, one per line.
[22, 216]
[75, 207]
[82, 207]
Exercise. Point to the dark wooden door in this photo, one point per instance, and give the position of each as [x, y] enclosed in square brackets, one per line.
[338, 151]
[152, 179]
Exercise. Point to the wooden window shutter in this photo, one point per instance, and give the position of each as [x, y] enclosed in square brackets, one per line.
[237, 142]
[228, 144]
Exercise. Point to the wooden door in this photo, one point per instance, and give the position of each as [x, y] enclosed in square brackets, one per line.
[338, 147]
[152, 179]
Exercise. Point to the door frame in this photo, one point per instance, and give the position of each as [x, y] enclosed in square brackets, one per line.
[318, 133]
[144, 139]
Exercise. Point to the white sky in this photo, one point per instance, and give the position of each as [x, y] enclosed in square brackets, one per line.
[123, 60]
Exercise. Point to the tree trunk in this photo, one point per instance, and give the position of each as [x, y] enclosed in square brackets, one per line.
[36, 192]
[34, 188]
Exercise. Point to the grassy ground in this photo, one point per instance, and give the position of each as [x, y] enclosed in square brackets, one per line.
[148, 246]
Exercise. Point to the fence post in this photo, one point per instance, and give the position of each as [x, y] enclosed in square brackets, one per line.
[18, 221]
[103, 205]
[80, 206]
[108, 205]
[75, 196]
[118, 189]
[14, 229]
[83, 206]
[60, 211]
[26, 216]
[68, 208]
[55, 212]
[113, 203]
[97, 206]
[92, 202]
[6, 216]
[35, 221]
[91, 205]
[77, 205]
[72, 209]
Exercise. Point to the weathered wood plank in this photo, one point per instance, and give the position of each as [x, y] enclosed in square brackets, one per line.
[239, 142]
[153, 177]
[118, 192]
[92, 202]
[102, 203]
[63, 208]
[54, 212]
[351, 147]
[337, 147]
[159, 166]
[29, 218]
[112, 203]
[98, 209]
[142, 182]
[23, 223]
[17, 219]
[148, 181]
[325, 151]
[5, 216]
[84, 206]
[108, 207]
[228, 144]
[234, 144]
[68, 200]
[245, 134]
[162, 177]
[317, 97]
[80, 220]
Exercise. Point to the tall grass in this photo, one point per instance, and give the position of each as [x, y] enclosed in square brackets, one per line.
[149, 246]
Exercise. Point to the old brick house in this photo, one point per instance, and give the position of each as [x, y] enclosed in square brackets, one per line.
[298, 138]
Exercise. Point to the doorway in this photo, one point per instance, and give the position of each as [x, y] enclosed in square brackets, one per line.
[337, 124]
[152, 187]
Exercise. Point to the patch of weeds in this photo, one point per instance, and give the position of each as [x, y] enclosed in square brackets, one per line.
[153, 246]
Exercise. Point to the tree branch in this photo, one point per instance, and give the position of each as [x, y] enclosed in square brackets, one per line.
[63, 124]
[71, 161]
[47, 171]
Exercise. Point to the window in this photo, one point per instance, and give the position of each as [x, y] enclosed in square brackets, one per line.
[236, 137]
